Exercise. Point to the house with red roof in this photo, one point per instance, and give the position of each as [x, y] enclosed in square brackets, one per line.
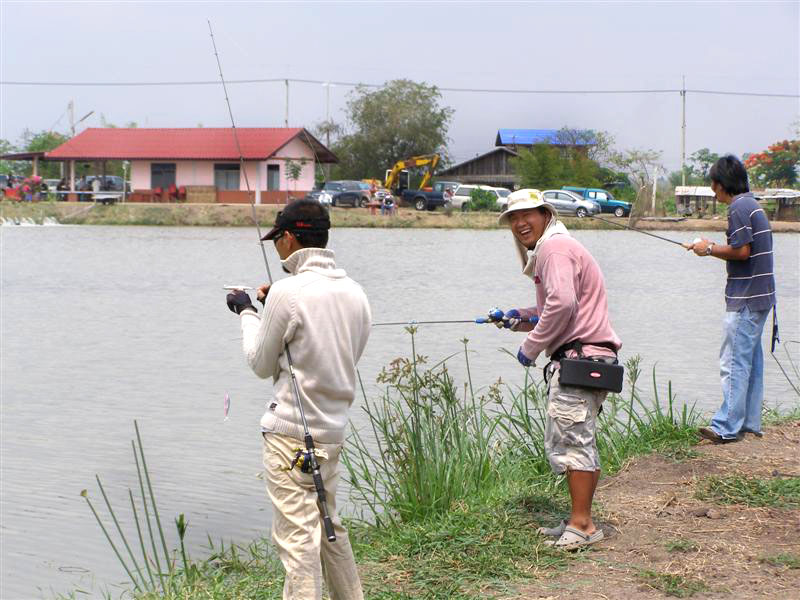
[168, 163]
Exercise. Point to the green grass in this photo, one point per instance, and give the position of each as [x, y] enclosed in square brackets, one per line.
[460, 554]
[451, 483]
[788, 560]
[680, 545]
[672, 585]
[229, 573]
[751, 491]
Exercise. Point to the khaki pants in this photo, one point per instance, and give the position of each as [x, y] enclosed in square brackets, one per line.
[297, 529]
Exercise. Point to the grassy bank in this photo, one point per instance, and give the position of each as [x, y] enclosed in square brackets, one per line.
[450, 501]
[240, 215]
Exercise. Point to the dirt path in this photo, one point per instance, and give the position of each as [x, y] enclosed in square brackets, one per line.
[664, 539]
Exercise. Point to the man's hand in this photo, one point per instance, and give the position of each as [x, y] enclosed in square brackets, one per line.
[700, 247]
[238, 300]
[523, 360]
[261, 294]
[512, 319]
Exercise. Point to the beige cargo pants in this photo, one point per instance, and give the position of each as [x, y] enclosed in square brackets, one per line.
[297, 529]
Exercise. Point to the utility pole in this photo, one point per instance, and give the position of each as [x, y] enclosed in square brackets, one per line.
[286, 120]
[655, 186]
[683, 132]
[71, 108]
[327, 85]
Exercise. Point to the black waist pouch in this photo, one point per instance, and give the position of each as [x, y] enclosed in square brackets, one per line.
[582, 372]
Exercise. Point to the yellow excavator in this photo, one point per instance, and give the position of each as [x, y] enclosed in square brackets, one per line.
[419, 198]
[429, 160]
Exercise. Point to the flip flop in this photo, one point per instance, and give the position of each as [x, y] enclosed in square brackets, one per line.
[556, 531]
[572, 539]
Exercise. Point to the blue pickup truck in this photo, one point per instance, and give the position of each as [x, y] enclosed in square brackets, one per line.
[607, 202]
[424, 200]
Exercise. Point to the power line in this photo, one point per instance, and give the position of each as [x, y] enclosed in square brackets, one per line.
[374, 85]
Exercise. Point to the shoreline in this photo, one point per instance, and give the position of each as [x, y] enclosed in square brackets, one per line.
[240, 215]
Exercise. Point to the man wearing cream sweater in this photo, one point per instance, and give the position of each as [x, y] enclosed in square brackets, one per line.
[325, 318]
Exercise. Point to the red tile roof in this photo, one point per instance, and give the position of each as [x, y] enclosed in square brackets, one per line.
[198, 143]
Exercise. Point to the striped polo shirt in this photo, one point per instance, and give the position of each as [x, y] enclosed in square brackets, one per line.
[751, 282]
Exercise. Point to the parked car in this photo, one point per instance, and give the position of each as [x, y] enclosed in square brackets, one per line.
[427, 199]
[607, 202]
[463, 196]
[340, 193]
[570, 203]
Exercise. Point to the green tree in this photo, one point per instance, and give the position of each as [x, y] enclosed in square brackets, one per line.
[294, 168]
[399, 120]
[42, 141]
[594, 144]
[540, 167]
[10, 167]
[701, 163]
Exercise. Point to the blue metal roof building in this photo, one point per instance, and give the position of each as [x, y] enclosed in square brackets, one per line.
[529, 137]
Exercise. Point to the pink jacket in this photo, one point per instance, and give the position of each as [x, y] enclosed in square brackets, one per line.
[571, 301]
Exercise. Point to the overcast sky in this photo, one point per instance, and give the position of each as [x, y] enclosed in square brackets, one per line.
[725, 46]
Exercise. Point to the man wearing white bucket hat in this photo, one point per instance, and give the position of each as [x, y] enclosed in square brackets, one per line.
[573, 324]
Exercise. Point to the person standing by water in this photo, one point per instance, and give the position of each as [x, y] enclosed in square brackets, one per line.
[749, 296]
[573, 322]
[325, 317]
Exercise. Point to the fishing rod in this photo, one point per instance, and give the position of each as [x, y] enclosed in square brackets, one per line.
[308, 440]
[660, 237]
[495, 315]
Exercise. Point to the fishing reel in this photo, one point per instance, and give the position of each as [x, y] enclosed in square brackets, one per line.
[302, 460]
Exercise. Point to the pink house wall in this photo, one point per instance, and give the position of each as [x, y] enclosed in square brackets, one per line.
[187, 172]
[201, 172]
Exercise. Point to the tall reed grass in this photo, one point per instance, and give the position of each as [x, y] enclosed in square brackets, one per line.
[432, 443]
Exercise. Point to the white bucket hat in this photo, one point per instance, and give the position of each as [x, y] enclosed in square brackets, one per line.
[525, 200]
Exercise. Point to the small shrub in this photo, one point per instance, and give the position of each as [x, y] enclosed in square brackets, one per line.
[681, 545]
[482, 200]
[673, 585]
[791, 561]
[751, 491]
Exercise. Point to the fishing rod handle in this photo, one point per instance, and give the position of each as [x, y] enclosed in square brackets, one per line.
[319, 486]
[484, 320]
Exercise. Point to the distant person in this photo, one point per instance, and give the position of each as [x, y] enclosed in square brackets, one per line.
[96, 187]
[448, 196]
[749, 296]
[573, 323]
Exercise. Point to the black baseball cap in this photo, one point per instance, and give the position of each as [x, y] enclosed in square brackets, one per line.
[299, 216]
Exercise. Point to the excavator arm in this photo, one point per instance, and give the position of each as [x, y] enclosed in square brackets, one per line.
[429, 160]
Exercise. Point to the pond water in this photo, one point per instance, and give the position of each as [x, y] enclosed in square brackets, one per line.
[104, 325]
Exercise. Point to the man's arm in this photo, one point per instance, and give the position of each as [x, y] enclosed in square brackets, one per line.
[558, 273]
[721, 251]
[263, 337]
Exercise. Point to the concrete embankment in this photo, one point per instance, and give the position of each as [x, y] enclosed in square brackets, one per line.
[232, 215]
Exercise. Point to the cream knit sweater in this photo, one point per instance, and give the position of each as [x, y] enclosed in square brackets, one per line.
[325, 317]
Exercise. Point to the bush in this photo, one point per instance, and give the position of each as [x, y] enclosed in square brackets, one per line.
[483, 200]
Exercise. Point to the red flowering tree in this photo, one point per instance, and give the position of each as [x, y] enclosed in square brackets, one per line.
[776, 166]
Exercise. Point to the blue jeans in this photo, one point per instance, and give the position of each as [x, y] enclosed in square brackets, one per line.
[741, 366]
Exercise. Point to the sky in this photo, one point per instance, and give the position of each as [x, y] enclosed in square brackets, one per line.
[718, 46]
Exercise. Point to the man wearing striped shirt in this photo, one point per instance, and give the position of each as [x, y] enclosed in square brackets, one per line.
[749, 296]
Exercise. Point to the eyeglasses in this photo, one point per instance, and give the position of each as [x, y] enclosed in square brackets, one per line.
[277, 237]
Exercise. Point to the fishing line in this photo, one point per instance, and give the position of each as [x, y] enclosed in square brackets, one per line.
[660, 237]
[309, 441]
[780, 366]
